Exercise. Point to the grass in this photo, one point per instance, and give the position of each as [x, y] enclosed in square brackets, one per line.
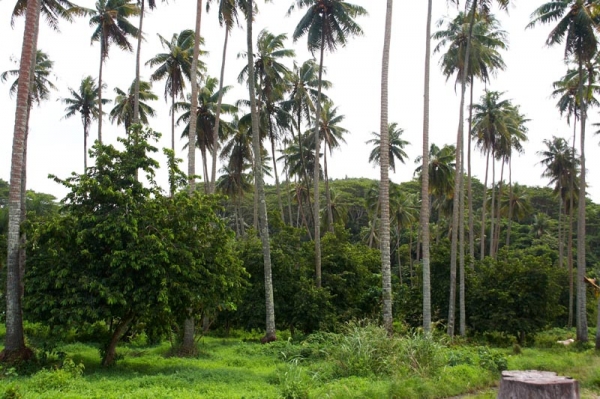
[361, 363]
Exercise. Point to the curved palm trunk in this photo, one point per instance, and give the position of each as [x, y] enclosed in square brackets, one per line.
[258, 178]
[482, 238]
[425, 182]
[469, 183]
[330, 226]
[14, 341]
[189, 328]
[213, 176]
[136, 93]
[582, 332]
[100, 92]
[384, 186]
[316, 170]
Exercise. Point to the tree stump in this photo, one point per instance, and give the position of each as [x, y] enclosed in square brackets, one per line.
[533, 384]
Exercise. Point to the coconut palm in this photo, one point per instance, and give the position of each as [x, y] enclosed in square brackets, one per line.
[84, 101]
[205, 119]
[332, 135]
[441, 170]
[42, 85]
[578, 22]
[396, 146]
[175, 66]
[327, 25]
[111, 25]
[123, 111]
[14, 341]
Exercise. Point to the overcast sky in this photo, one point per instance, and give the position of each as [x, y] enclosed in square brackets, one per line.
[56, 145]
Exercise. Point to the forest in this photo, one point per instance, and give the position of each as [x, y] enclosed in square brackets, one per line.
[355, 287]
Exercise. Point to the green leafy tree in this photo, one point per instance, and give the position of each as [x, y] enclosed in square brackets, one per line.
[124, 252]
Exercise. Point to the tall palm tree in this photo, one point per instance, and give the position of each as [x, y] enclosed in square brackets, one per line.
[123, 111]
[14, 341]
[384, 186]
[578, 22]
[175, 66]
[396, 146]
[85, 102]
[485, 60]
[332, 135]
[424, 215]
[111, 25]
[327, 25]
[137, 83]
[228, 15]
[42, 85]
[272, 77]
[205, 119]
[258, 179]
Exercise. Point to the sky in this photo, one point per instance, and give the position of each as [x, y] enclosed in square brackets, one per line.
[56, 144]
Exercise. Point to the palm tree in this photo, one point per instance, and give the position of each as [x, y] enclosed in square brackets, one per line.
[228, 15]
[485, 60]
[258, 179]
[85, 102]
[111, 26]
[578, 21]
[137, 83]
[205, 119]
[561, 167]
[14, 341]
[396, 146]
[123, 111]
[175, 66]
[272, 77]
[425, 212]
[442, 163]
[42, 85]
[327, 24]
[332, 134]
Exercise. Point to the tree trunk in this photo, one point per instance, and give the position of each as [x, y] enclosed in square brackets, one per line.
[425, 181]
[100, 91]
[258, 179]
[316, 171]
[410, 258]
[482, 238]
[461, 249]
[399, 257]
[560, 231]
[304, 168]
[213, 173]
[289, 198]
[570, 241]
[330, 226]
[582, 332]
[469, 183]
[384, 186]
[492, 206]
[277, 188]
[188, 341]
[510, 202]
[110, 356]
[85, 137]
[496, 235]
[14, 341]
[136, 93]
[173, 122]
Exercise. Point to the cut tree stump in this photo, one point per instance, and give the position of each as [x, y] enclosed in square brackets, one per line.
[532, 384]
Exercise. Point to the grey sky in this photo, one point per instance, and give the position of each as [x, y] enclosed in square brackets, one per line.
[56, 145]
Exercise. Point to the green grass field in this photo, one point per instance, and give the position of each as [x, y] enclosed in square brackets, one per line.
[353, 365]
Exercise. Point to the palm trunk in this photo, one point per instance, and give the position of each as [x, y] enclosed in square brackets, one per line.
[399, 257]
[316, 171]
[410, 258]
[85, 137]
[136, 93]
[14, 341]
[510, 202]
[496, 235]
[582, 332]
[258, 179]
[304, 168]
[492, 207]
[560, 232]
[277, 188]
[330, 226]
[289, 198]
[173, 122]
[213, 176]
[188, 338]
[482, 238]
[570, 241]
[469, 184]
[100, 91]
[204, 152]
[425, 181]
[384, 186]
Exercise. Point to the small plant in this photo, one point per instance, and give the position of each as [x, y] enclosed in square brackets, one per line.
[294, 381]
[492, 360]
